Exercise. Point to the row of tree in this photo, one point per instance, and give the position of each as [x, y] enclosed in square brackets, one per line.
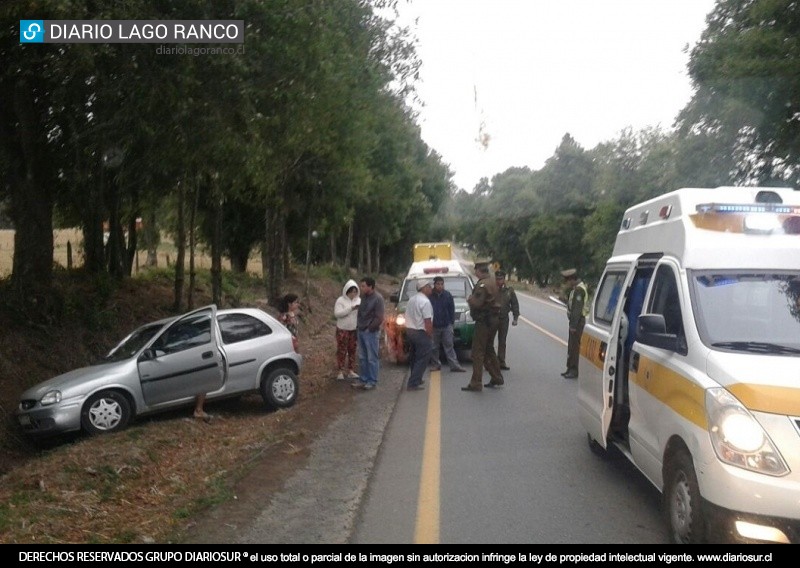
[742, 127]
[308, 133]
[304, 131]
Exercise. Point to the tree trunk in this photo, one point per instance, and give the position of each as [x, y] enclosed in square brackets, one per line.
[150, 234]
[180, 245]
[368, 253]
[216, 248]
[115, 237]
[192, 223]
[92, 225]
[332, 241]
[31, 205]
[348, 251]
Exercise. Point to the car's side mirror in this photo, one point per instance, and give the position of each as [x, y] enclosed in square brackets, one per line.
[651, 329]
[147, 355]
[394, 297]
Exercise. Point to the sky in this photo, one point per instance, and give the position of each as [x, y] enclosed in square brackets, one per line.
[520, 74]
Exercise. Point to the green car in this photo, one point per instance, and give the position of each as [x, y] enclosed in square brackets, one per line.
[456, 281]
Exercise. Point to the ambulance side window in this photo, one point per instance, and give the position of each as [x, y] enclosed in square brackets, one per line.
[665, 300]
[608, 297]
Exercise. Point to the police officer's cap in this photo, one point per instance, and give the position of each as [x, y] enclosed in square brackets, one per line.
[482, 265]
[569, 273]
[500, 274]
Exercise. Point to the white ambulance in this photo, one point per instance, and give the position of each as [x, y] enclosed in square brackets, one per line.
[690, 360]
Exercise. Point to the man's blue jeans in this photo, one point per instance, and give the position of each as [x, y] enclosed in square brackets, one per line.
[369, 356]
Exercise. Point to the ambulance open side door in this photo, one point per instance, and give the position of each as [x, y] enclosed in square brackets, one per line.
[619, 302]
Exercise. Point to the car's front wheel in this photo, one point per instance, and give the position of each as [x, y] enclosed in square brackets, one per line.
[280, 388]
[106, 411]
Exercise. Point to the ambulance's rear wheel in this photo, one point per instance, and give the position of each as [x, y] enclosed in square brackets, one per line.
[682, 502]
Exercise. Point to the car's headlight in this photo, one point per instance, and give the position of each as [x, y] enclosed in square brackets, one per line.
[401, 320]
[738, 438]
[51, 397]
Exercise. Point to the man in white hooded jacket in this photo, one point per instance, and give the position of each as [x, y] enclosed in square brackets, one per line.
[346, 311]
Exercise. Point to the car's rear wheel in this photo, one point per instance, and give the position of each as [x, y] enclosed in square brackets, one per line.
[106, 411]
[280, 388]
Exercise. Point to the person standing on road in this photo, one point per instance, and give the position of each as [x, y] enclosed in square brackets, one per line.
[345, 310]
[508, 303]
[444, 316]
[419, 330]
[369, 322]
[577, 310]
[484, 306]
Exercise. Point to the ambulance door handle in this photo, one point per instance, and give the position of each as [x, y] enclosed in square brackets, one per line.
[635, 362]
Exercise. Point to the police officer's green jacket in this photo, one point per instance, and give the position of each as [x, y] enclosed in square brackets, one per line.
[508, 303]
[484, 299]
[577, 304]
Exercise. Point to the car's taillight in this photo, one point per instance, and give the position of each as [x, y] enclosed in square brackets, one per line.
[295, 344]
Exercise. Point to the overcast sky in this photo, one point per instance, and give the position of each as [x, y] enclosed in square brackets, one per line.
[532, 70]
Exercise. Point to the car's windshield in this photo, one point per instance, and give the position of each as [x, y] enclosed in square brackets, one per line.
[748, 311]
[131, 345]
[458, 286]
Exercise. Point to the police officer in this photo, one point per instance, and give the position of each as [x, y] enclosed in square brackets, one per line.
[484, 307]
[577, 310]
[508, 303]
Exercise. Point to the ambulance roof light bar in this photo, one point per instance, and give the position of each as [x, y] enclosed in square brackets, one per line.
[748, 208]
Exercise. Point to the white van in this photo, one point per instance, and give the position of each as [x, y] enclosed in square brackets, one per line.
[690, 360]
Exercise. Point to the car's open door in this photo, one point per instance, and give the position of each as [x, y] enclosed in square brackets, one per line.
[184, 360]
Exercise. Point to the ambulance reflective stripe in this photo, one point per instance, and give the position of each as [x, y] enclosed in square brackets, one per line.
[671, 388]
[593, 350]
[767, 398]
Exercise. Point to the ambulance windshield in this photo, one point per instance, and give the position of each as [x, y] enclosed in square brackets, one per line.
[754, 312]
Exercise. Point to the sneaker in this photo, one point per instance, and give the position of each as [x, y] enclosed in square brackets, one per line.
[353, 375]
[363, 386]
[340, 377]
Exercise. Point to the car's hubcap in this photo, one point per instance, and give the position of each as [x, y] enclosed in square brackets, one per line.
[283, 388]
[105, 414]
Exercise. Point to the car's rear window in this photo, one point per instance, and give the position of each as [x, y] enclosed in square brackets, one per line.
[241, 327]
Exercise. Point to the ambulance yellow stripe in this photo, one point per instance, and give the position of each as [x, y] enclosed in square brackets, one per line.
[767, 398]
[673, 389]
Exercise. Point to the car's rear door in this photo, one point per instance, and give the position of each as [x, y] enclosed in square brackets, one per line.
[185, 360]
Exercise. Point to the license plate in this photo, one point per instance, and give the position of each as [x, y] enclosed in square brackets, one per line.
[25, 420]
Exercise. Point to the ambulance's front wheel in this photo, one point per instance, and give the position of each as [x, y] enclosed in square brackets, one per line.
[682, 502]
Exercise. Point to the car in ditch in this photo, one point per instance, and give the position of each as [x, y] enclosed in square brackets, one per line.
[163, 365]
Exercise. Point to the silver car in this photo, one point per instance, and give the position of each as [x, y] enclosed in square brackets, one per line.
[163, 365]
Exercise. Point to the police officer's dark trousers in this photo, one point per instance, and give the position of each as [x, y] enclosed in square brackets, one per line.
[483, 353]
[502, 336]
[574, 346]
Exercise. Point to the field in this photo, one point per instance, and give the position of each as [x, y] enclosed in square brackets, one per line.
[63, 238]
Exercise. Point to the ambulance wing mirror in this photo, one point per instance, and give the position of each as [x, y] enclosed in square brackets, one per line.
[394, 296]
[651, 329]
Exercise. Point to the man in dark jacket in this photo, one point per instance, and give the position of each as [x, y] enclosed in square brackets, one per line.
[369, 324]
[444, 316]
